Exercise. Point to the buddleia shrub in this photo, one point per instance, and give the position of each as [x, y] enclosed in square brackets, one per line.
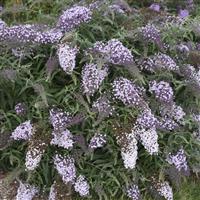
[102, 104]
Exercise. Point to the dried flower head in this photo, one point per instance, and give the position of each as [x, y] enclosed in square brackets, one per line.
[127, 92]
[23, 132]
[73, 17]
[162, 91]
[62, 139]
[81, 186]
[92, 77]
[129, 149]
[133, 192]
[97, 141]
[67, 57]
[65, 167]
[26, 191]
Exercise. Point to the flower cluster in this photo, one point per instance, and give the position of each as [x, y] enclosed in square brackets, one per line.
[59, 119]
[168, 124]
[113, 52]
[62, 139]
[30, 34]
[81, 186]
[67, 57]
[97, 141]
[23, 132]
[34, 154]
[103, 106]
[129, 149]
[146, 119]
[155, 7]
[162, 91]
[149, 139]
[26, 191]
[92, 77]
[72, 17]
[127, 92]
[179, 160]
[2, 24]
[150, 33]
[158, 62]
[65, 167]
[133, 192]
[20, 109]
[174, 112]
[164, 190]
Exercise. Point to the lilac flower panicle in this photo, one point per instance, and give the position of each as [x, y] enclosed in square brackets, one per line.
[65, 167]
[113, 52]
[127, 92]
[26, 191]
[168, 124]
[129, 149]
[62, 139]
[148, 138]
[20, 109]
[179, 160]
[23, 132]
[73, 17]
[67, 57]
[155, 7]
[133, 192]
[81, 186]
[174, 112]
[163, 61]
[103, 106]
[146, 119]
[30, 34]
[183, 13]
[92, 77]
[59, 119]
[164, 190]
[150, 33]
[162, 91]
[97, 141]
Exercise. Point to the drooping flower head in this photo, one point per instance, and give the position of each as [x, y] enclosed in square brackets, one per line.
[92, 77]
[65, 167]
[81, 186]
[26, 191]
[97, 141]
[127, 92]
[62, 139]
[162, 91]
[23, 132]
[67, 57]
[73, 17]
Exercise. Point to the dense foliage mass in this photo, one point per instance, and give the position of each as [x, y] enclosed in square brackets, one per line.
[98, 99]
